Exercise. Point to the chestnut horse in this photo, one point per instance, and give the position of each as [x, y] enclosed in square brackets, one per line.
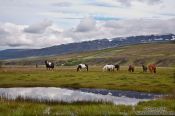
[152, 68]
[131, 68]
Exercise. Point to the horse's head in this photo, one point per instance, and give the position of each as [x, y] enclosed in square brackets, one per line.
[46, 61]
[116, 65]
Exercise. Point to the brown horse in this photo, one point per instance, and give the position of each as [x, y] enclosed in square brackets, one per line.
[152, 68]
[131, 68]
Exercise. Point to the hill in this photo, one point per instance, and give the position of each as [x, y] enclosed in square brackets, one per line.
[84, 46]
[160, 53]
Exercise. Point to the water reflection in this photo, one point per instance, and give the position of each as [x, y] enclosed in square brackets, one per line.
[70, 95]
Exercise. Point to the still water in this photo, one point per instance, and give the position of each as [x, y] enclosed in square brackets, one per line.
[56, 94]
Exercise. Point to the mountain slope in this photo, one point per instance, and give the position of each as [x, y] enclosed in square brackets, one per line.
[84, 46]
[161, 54]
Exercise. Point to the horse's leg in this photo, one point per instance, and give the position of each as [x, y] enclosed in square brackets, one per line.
[154, 70]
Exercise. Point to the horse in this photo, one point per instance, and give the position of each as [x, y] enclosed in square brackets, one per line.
[117, 66]
[110, 67]
[144, 68]
[152, 68]
[82, 66]
[131, 68]
[49, 65]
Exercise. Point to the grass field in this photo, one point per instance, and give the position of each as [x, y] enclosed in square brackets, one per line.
[162, 82]
[21, 108]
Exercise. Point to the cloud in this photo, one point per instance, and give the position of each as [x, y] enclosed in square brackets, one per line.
[129, 2]
[120, 28]
[38, 28]
[14, 36]
[86, 24]
[62, 4]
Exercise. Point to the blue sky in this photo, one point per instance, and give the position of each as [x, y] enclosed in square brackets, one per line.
[43, 23]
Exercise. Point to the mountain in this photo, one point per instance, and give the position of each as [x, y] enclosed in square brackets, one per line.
[162, 54]
[84, 46]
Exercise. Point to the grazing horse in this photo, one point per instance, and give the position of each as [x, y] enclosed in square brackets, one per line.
[82, 66]
[152, 68]
[110, 67]
[117, 66]
[49, 65]
[144, 68]
[131, 68]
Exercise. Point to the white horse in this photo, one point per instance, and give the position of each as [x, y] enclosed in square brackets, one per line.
[109, 67]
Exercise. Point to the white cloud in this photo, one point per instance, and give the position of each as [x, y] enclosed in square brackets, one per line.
[87, 24]
[130, 2]
[38, 27]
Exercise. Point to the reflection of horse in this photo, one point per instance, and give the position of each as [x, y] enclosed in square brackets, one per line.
[49, 65]
[131, 68]
[82, 66]
[110, 67]
[152, 68]
[144, 68]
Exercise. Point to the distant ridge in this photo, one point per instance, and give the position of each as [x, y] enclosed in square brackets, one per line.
[84, 46]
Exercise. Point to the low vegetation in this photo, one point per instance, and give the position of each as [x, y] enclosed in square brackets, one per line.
[162, 82]
[20, 108]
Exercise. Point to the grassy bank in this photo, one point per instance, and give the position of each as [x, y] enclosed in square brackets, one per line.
[162, 82]
[19, 108]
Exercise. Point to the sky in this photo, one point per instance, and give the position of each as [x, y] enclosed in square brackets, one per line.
[43, 23]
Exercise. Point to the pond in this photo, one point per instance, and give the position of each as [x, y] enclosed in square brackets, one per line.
[56, 94]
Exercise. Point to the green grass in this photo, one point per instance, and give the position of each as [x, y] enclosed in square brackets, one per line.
[162, 82]
[20, 108]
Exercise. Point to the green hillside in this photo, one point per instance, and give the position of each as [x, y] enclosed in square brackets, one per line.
[163, 54]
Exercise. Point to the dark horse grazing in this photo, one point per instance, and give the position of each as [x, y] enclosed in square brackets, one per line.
[131, 68]
[82, 66]
[152, 68]
[117, 66]
[49, 65]
[144, 68]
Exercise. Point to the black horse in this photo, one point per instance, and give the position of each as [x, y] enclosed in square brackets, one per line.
[49, 65]
[144, 68]
[82, 66]
[117, 66]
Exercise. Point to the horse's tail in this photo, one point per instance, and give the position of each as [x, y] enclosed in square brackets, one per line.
[87, 67]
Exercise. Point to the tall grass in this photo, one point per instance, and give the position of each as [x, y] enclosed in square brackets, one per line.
[20, 108]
